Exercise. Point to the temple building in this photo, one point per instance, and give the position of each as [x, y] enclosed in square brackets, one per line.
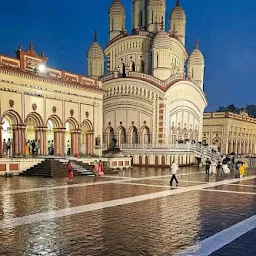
[48, 105]
[154, 87]
[230, 132]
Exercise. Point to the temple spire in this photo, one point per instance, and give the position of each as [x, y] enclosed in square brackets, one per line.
[196, 44]
[95, 36]
[178, 3]
[31, 47]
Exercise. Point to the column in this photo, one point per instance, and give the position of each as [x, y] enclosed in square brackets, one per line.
[79, 142]
[61, 141]
[22, 139]
[56, 141]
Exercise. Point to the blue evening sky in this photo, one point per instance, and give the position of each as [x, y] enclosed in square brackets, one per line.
[63, 30]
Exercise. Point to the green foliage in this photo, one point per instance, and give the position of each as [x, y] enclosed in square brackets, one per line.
[250, 109]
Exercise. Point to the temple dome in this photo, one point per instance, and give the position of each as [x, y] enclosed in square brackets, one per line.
[162, 40]
[116, 8]
[196, 57]
[95, 51]
[178, 12]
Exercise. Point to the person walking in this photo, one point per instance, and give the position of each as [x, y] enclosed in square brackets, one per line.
[8, 144]
[101, 168]
[214, 168]
[174, 169]
[242, 170]
[207, 166]
[70, 171]
[4, 148]
[68, 148]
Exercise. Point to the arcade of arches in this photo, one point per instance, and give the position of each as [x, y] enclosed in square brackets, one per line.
[115, 138]
[230, 132]
[63, 136]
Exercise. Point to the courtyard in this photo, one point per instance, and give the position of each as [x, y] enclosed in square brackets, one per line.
[134, 212]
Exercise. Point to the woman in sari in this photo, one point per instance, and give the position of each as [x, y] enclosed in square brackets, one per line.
[27, 148]
[70, 171]
[96, 168]
[101, 169]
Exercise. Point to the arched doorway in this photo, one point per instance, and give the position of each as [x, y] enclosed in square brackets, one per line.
[87, 137]
[111, 138]
[217, 143]
[55, 136]
[145, 138]
[13, 131]
[72, 138]
[35, 134]
[134, 135]
[121, 135]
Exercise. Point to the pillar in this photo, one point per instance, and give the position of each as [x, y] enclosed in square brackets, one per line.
[62, 141]
[56, 141]
[79, 142]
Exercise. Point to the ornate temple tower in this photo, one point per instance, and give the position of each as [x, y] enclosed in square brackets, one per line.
[95, 59]
[161, 57]
[177, 21]
[196, 66]
[116, 19]
[138, 15]
[155, 15]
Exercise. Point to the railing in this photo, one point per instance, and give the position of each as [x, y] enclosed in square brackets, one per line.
[187, 147]
[148, 77]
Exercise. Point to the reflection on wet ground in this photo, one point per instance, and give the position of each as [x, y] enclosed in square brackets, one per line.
[142, 222]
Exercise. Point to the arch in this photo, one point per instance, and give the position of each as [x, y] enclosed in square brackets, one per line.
[140, 160]
[87, 125]
[131, 65]
[13, 116]
[73, 122]
[141, 65]
[145, 135]
[110, 137]
[87, 137]
[146, 160]
[122, 69]
[121, 135]
[134, 135]
[56, 121]
[36, 118]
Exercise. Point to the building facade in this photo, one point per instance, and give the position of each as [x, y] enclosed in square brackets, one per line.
[154, 88]
[230, 132]
[48, 105]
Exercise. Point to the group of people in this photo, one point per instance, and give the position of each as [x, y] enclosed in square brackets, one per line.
[7, 147]
[32, 147]
[98, 169]
[224, 166]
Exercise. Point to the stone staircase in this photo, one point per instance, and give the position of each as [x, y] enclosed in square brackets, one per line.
[48, 168]
[204, 153]
[83, 168]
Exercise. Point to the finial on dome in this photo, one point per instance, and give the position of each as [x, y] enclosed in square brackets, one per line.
[178, 3]
[31, 47]
[95, 36]
[196, 43]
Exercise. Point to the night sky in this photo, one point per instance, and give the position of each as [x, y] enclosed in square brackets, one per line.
[63, 30]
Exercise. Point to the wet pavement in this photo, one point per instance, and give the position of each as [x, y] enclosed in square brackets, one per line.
[133, 213]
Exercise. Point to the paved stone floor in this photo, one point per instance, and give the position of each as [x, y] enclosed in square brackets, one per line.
[133, 213]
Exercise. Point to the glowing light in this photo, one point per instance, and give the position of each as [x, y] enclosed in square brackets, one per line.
[42, 68]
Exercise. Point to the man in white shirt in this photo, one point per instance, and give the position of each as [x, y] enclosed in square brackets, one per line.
[174, 169]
